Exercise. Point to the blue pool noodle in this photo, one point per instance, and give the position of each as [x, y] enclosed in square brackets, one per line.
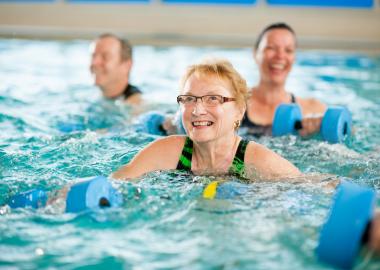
[90, 195]
[341, 235]
[34, 198]
[336, 124]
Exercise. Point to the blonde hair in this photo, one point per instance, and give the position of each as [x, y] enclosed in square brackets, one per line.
[222, 69]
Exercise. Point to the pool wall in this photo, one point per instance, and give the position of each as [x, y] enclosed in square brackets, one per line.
[336, 24]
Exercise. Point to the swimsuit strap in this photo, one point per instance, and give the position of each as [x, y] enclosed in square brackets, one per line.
[237, 166]
[184, 163]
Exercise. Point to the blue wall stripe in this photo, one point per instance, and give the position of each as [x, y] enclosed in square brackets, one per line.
[108, 1]
[315, 3]
[26, 1]
[222, 2]
[324, 3]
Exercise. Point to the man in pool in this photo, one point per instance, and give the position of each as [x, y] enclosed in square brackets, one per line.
[111, 64]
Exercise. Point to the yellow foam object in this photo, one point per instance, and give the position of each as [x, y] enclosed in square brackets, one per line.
[210, 190]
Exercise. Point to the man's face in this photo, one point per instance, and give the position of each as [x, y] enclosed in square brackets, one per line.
[107, 66]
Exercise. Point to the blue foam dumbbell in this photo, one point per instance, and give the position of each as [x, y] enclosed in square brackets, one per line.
[92, 194]
[341, 236]
[287, 120]
[151, 123]
[34, 198]
[336, 122]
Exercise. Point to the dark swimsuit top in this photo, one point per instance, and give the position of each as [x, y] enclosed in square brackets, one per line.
[237, 166]
[130, 90]
[257, 129]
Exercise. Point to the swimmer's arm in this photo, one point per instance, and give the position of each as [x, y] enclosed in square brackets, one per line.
[268, 164]
[162, 154]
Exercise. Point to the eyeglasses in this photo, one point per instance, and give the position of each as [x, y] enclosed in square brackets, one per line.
[207, 100]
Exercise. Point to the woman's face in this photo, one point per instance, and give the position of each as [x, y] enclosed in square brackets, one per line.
[203, 122]
[275, 56]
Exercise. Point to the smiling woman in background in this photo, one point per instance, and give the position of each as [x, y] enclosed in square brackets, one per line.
[274, 53]
[212, 102]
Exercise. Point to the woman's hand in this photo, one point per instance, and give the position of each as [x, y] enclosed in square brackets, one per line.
[310, 125]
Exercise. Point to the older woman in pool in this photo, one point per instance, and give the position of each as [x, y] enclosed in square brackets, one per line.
[274, 53]
[212, 102]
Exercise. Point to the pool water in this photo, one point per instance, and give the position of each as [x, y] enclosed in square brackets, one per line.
[164, 223]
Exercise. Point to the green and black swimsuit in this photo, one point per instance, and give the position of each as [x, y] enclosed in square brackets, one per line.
[237, 167]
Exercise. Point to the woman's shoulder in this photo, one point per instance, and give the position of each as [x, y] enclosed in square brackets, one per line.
[161, 154]
[255, 151]
[267, 163]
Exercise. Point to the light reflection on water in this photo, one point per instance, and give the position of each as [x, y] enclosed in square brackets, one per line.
[163, 222]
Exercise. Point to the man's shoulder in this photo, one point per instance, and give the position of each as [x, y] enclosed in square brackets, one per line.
[131, 90]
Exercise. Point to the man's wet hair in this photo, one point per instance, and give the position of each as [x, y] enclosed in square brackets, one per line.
[125, 45]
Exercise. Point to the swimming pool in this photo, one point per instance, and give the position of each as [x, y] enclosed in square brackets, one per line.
[164, 224]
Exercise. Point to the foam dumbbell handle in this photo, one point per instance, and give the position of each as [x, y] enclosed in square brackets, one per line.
[224, 190]
[287, 120]
[92, 194]
[34, 198]
[336, 124]
[341, 236]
